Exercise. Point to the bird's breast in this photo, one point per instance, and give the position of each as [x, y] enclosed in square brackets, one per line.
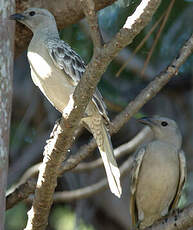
[39, 65]
[50, 79]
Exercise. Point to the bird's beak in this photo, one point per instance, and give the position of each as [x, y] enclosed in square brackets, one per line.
[147, 121]
[17, 17]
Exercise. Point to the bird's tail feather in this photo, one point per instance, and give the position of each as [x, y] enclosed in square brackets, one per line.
[102, 137]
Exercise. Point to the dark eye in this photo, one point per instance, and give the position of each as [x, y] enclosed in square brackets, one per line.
[164, 123]
[32, 13]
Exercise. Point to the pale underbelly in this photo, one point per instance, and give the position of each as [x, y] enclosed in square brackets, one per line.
[55, 88]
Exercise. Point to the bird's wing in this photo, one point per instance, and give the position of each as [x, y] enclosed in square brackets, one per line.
[66, 59]
[134, 179]
[182, 179]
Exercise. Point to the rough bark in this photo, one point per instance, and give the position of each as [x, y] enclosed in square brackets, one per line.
[66, 13]
[6, 71]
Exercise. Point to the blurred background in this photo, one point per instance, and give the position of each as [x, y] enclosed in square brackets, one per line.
[33, 116]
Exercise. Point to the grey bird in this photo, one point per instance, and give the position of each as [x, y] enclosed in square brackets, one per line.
[159, 173]
[56, 69]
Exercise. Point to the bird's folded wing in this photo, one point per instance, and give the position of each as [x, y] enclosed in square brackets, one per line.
[134, 179]
[182, 179]
[65, 58]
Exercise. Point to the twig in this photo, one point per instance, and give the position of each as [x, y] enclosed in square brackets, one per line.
[21, 193]
[122, 150]
[140, 45]
[89, 9]
[157, 36]
[92, 189]
[67, 196]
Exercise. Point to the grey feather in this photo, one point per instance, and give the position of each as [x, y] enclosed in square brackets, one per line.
[65, 58]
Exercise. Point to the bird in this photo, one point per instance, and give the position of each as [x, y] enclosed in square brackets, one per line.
[56, 69]
[159, 173]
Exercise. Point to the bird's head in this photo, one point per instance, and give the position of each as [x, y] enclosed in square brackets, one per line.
[34, 18]
[164, 129]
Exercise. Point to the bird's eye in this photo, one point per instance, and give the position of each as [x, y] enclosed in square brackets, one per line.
[164, 123]
[32, 13]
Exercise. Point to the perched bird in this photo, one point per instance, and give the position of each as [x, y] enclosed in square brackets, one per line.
[56, 69]
[159, 173]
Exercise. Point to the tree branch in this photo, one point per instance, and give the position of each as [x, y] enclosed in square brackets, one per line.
[92, 189]
[180, 219]
[122, 150]
[21, 193]
[89, 9]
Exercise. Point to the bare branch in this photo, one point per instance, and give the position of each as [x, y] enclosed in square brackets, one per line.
[122, 150]
[181, 220]
[158, 36]
[89, 9]
[140, 44]
[67, 196]
[92, 189]
[153, 87]
[21, 193]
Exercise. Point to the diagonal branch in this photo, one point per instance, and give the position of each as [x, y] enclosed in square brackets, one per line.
[120, 151]
[89, 9]
[180, 219]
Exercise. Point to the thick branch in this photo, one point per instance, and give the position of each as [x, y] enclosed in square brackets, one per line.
[181, 220]
[89, 9]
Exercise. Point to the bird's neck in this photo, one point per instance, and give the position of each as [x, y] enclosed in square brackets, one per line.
[176, 141]
[44, 32]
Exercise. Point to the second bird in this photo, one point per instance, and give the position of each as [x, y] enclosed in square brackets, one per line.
[159, 173]
[56, 69]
